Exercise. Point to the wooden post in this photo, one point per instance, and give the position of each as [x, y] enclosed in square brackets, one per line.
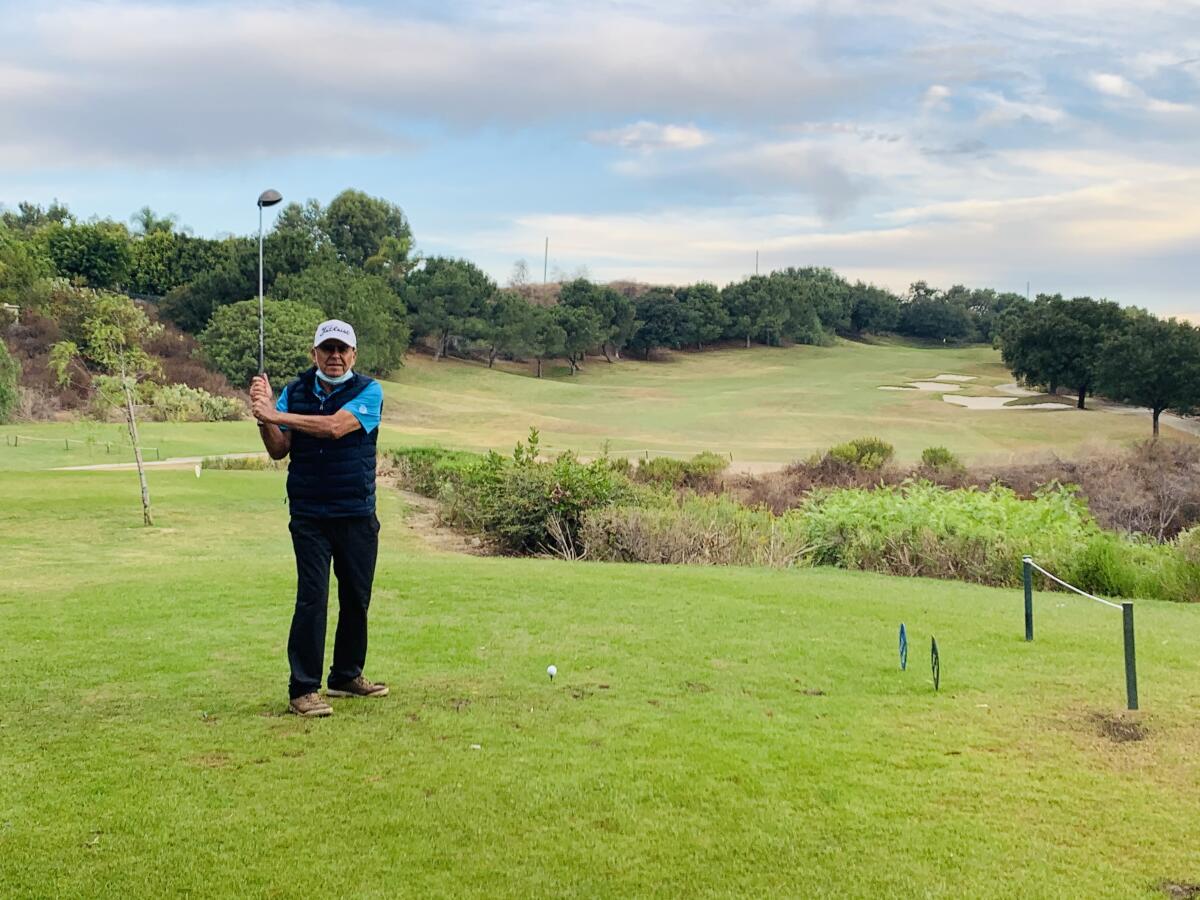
[1130, 657]
[1028, 573]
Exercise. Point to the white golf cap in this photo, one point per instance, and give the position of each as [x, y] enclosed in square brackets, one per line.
[337, 330]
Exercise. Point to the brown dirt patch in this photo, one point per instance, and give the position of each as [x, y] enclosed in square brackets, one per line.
[1180, 890]
[423, 520]
[211, 760]
[1118, 729]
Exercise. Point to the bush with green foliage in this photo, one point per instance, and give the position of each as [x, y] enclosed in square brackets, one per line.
[180, 403]
[981, 535]
[940, 458]
[696, 530]
[10, 373]
[525, 504]
[365, 301]
[865, 453]
[230, 342]
[698, 473]
[256, 463]
[424, 470]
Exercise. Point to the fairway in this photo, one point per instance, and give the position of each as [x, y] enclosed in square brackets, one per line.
[768, 405]
[711, 732]
[762, 407]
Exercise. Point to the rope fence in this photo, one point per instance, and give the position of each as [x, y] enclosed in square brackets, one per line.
[15, 440]
[1131, 691]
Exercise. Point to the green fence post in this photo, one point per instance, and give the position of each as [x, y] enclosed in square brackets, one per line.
[1130, 657]
[1027, 563]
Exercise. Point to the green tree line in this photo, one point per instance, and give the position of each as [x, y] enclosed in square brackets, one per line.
[356, 259]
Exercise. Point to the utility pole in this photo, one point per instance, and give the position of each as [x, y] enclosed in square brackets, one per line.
[546, 260]
[755, 262]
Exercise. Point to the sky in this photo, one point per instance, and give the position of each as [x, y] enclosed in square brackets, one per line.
[1048, 146]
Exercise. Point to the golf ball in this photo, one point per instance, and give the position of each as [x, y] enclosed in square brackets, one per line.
[551, 671]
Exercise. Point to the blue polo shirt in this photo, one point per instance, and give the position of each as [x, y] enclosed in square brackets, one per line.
[367, 407]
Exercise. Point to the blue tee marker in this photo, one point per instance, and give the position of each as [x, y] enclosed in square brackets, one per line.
[935, 663]
[903, 648]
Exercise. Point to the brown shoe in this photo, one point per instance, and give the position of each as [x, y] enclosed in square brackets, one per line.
[310, 705]
[359, 687]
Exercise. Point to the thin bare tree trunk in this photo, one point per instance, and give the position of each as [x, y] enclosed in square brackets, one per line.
[604, 348]
[147, 518]
[1157, 413]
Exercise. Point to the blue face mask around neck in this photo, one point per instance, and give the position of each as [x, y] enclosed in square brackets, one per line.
[340, 379]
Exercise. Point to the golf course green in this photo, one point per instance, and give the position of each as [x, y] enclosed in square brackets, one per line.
[711, 732]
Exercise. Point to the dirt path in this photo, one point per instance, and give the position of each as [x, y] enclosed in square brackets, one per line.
[175, 462]
[421, 518]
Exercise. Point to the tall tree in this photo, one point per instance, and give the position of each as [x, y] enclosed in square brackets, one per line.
[548, 336]
[752, 308]
[660, 321]
[926, 312]
[97, 254]
[365, 301]
[703, 314]
[873, 309]
[1056, 342]
[581, 330]
[447, 298]
[114, 333]
[614, 312]
[1154, 363]
[511, 326]
[148, 222]
[357, 225]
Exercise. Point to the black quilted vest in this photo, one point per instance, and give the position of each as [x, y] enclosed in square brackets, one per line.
[328, 478]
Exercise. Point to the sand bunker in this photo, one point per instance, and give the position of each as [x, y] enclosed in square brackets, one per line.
[938, 385]
[999, 403]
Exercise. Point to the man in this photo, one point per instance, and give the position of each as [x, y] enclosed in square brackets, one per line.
[328, 420]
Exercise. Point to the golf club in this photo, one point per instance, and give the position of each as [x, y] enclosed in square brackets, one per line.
[266, 198]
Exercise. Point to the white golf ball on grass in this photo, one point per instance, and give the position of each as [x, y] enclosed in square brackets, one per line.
[551, 671]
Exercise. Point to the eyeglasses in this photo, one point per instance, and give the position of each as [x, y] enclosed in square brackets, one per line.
[330, 347]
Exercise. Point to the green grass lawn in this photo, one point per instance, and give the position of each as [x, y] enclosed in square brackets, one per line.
[87, 443]
[764, 404]
[712, 732]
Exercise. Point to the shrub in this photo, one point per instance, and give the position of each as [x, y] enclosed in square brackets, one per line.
[180, 403]
[864, 453]
[940, 458]
[425, 470]
[231, 339]
[701, 472]
[697, 530]
[527, 505]
[242, 463]
[9, 376]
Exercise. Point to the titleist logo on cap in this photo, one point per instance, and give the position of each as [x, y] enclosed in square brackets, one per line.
[337, 330]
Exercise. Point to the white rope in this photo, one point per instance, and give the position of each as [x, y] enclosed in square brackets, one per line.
[1072, 587]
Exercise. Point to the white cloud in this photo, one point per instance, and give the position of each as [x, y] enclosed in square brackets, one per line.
[1000, 109]
[1113, 85]
[936, 99]
[1121, 88]
[1104, 236]
[648, 136]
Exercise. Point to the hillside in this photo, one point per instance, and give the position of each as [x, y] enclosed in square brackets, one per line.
[763, 405]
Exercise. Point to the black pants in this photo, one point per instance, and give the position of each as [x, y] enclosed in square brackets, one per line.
[352, 543]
